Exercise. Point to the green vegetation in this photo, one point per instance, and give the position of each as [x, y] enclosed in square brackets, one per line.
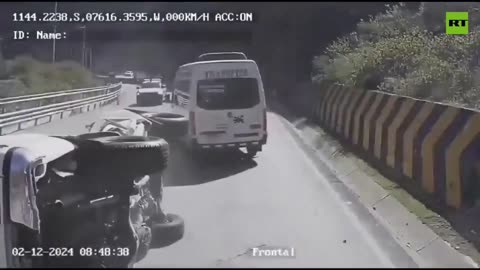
[406, 51]
[30, 76]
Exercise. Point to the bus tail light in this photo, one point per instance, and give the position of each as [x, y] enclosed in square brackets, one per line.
[265, 120]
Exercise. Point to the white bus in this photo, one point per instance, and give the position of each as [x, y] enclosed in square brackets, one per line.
[224, 101]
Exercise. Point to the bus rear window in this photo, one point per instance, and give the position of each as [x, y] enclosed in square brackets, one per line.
[227, 94]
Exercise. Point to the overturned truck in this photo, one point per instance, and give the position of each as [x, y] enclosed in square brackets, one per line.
[92, 200]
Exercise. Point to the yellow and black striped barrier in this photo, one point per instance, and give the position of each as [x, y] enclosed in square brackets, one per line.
[433, 145]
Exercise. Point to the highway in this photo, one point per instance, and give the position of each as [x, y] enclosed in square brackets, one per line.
[281, 199]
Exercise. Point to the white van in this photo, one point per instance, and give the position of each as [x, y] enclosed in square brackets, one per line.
[224, 101]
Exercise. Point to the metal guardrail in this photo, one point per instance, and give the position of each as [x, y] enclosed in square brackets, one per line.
[57, 103]
[39, 100]
[56, 92]
[18, 98]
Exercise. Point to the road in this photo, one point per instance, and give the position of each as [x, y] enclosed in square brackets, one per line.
[280, 199]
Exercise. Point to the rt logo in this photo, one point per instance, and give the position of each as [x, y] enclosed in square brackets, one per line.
[457, 23]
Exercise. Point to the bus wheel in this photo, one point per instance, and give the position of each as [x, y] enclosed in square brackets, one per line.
[252, 152]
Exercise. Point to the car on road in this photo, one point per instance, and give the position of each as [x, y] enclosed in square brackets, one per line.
[160, 81]
[150, 93]
[126, 77]
[224, 102]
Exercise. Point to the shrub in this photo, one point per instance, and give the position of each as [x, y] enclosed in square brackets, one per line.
[38, 77]
[401, 51]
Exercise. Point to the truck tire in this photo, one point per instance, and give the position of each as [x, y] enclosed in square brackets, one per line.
[95, 135]
[132, 155]
[169, 118]
[169, 125]
[167, 233]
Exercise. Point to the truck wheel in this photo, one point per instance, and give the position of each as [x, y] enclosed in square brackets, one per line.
[169, 125]
[95, 135]
[168, 118]
[167, 233]
[135, 155]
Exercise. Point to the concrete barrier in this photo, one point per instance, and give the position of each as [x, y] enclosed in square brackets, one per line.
[431, 146]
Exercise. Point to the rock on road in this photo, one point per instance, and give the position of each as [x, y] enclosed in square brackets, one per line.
[280, 199]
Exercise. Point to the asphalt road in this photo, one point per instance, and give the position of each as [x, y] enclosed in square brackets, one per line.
[279, 200]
